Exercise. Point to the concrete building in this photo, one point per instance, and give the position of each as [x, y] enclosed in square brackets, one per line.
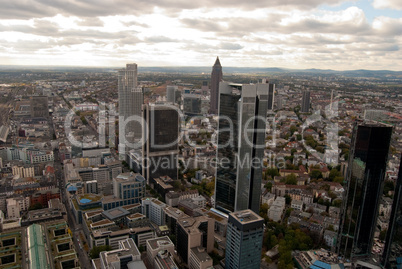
[160, 252]
[194, 232]
[199, 259]
[129, 187]
[126, 256]
[152, 208]
[131, 99]
[244, 240]
[275, 212]
[16, 205]
[23, 171]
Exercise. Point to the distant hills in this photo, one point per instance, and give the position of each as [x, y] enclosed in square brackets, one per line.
[207, 70]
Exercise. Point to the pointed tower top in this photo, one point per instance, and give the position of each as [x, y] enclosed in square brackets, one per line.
[217, 62]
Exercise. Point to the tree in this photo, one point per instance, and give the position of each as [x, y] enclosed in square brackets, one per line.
[291, 179]
[333, 174]
[268, 186]
[95, 251]
[273, 172]
[288, 199]
[316, 174]
[339, 180]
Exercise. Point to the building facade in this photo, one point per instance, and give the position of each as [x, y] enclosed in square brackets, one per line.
[131, 99]
[365, 179]
[392, 255]
[161, 147]
[216, 78]
[305, 107]
[241, 143]
[244, 240]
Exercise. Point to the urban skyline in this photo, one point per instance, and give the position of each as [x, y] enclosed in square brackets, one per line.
[317, 189]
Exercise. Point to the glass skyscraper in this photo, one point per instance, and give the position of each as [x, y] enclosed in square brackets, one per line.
[241, 143]
[392, 255]
[161, 145]
[130, 102]
[365, 179]
[244, 240]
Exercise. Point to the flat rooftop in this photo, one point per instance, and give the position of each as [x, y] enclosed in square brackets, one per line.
[159, 242]
[115, 213]
[246, 216]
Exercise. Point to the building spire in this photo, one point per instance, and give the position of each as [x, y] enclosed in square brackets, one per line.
[217, 62]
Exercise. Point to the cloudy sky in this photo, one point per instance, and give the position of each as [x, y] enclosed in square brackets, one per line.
[331, 34]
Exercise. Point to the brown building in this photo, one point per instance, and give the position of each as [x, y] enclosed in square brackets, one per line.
[43, 196]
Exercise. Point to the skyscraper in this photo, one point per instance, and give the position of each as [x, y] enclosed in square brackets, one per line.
[392, 255]
[305, 102]
[241, 143]
[271, 94]
[216, 77]
[244, 240]
[365, 177]
[130, 101]
[171, 94]
[160, 148]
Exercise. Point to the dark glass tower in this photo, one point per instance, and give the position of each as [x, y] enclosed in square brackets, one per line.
[392, 255]
[305, 102]
[241, 143]
[216, 77]
[160, 148]
[365, 178]
[271, 96]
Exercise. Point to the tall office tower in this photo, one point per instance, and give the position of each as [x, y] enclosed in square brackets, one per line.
[244, 240]
[39, 106]
[216, 77]
[241, 143]
[392, 255]
[160, 147]
[171, 94]
[305, 102]
[271, 94]
[131, 99]
[365, 178]
[192, 104]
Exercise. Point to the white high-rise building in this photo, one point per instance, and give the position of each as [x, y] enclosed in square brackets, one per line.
[131, 99]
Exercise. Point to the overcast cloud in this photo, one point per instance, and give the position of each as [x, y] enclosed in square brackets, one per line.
[280, 33]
